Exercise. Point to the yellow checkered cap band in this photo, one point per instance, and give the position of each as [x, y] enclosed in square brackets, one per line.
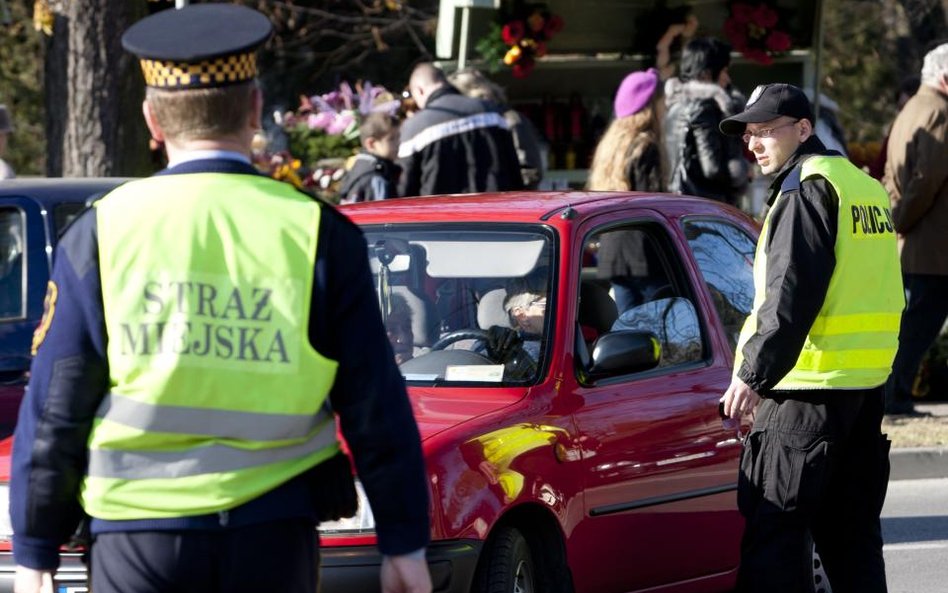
[214, 72]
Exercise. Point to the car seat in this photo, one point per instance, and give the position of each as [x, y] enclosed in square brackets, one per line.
[424, 315]
[597, 310]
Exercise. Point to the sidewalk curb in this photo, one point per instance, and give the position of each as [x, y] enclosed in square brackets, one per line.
[916, 463]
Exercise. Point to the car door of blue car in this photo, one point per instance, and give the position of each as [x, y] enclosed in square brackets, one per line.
[25, 254]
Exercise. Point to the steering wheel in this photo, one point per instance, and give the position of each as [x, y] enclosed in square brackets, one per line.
[458, 335]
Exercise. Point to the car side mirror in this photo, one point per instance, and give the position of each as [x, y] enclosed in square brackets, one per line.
[624, 352]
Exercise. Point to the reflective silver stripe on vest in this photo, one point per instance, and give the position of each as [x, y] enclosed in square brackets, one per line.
[141, 465]
[225, 424]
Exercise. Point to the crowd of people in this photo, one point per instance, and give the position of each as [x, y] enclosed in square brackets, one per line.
[812, 364]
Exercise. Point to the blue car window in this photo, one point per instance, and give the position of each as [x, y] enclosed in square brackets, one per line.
[11, 263]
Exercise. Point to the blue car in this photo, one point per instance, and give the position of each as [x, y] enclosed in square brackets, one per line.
[33, 214]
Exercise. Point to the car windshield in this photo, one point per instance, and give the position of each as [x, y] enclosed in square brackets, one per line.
[464, 303]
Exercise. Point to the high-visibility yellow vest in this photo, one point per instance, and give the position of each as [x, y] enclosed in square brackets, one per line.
[853, 341]
[216, 394]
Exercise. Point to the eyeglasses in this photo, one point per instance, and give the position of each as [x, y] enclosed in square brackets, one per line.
[765, 133]
[541, 302]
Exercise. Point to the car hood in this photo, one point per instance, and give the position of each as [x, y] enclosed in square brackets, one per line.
[438, 409]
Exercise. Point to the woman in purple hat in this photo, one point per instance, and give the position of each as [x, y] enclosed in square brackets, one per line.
[629, 158]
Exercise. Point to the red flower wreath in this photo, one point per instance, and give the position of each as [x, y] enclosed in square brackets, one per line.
[752, 31]
[522, 38]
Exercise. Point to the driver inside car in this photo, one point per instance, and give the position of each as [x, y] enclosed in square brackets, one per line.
[518, 346]
[526, 311]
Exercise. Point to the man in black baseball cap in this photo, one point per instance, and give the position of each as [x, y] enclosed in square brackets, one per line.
[767, 102]
[812, 358]
[206, 465]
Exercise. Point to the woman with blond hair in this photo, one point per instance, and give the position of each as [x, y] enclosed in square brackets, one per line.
[629, 155]
[629, 158]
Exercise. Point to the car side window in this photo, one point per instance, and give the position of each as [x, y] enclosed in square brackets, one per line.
[65, 213]
[631, 281]
[12, 277]
[725, 255]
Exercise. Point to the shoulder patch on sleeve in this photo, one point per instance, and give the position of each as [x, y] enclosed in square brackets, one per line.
[49, 309]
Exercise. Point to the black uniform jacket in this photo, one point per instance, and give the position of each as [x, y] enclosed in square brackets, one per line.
[800, 245]
[70, 376]
[457, 145]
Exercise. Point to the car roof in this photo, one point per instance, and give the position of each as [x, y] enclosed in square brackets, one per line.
[531, 206]
[49, 191]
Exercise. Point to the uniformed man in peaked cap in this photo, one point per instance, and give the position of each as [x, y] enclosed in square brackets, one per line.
[198, 325]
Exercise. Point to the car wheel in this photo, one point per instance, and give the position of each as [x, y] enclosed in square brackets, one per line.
[506, 565]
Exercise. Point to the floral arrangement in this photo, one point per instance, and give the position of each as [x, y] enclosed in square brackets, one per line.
[520, 37]
[322, 133]
[752, 30]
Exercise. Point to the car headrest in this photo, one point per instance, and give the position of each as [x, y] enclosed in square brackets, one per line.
[596, 307]
[490, 309]
[424, 316]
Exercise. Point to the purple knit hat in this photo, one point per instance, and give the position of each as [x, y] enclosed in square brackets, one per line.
[635, 92]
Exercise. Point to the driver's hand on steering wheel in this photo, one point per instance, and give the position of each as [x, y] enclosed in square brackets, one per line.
[502, 342]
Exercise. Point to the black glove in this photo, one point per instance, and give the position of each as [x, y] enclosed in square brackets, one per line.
[502, 342]
[333, 487]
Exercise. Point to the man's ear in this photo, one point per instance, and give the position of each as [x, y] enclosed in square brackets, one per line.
[806, 129]
[152, 122]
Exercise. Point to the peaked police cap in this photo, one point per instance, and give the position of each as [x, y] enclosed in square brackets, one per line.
[198, 46]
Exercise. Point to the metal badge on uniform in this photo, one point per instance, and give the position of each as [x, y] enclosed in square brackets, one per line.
[49, 309]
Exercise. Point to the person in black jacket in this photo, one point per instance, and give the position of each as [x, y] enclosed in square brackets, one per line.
[455, 144]
[374, 173]
[811, 360]
[702, 161]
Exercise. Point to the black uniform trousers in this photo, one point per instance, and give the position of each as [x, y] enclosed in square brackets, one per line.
[815, 463]
[275, 556]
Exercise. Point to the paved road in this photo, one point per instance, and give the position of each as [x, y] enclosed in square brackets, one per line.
[915, 528]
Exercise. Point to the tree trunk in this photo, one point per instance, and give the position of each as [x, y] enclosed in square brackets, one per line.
[54, 85]
[94, 102]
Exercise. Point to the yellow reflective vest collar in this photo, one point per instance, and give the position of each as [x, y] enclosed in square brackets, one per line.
[217, 395]
[853, 340]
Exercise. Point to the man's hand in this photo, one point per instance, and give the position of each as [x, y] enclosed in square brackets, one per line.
[30, 580]
[739, 399]
[502, 342]
[405, 574]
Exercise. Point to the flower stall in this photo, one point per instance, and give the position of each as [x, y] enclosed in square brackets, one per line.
[321, 135]
[562, 60]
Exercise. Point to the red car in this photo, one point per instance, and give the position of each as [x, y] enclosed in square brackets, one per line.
[580, 449]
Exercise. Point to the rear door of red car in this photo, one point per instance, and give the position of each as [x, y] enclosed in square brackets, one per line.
[661, 469]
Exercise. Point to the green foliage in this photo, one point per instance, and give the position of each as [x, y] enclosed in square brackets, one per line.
[492, 48]
[311, 146]
[21, 89]
[859, 65]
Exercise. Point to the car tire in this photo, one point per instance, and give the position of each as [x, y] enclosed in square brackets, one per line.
[506, 565]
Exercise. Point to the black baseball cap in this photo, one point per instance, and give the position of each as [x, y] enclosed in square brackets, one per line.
[767, 102]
